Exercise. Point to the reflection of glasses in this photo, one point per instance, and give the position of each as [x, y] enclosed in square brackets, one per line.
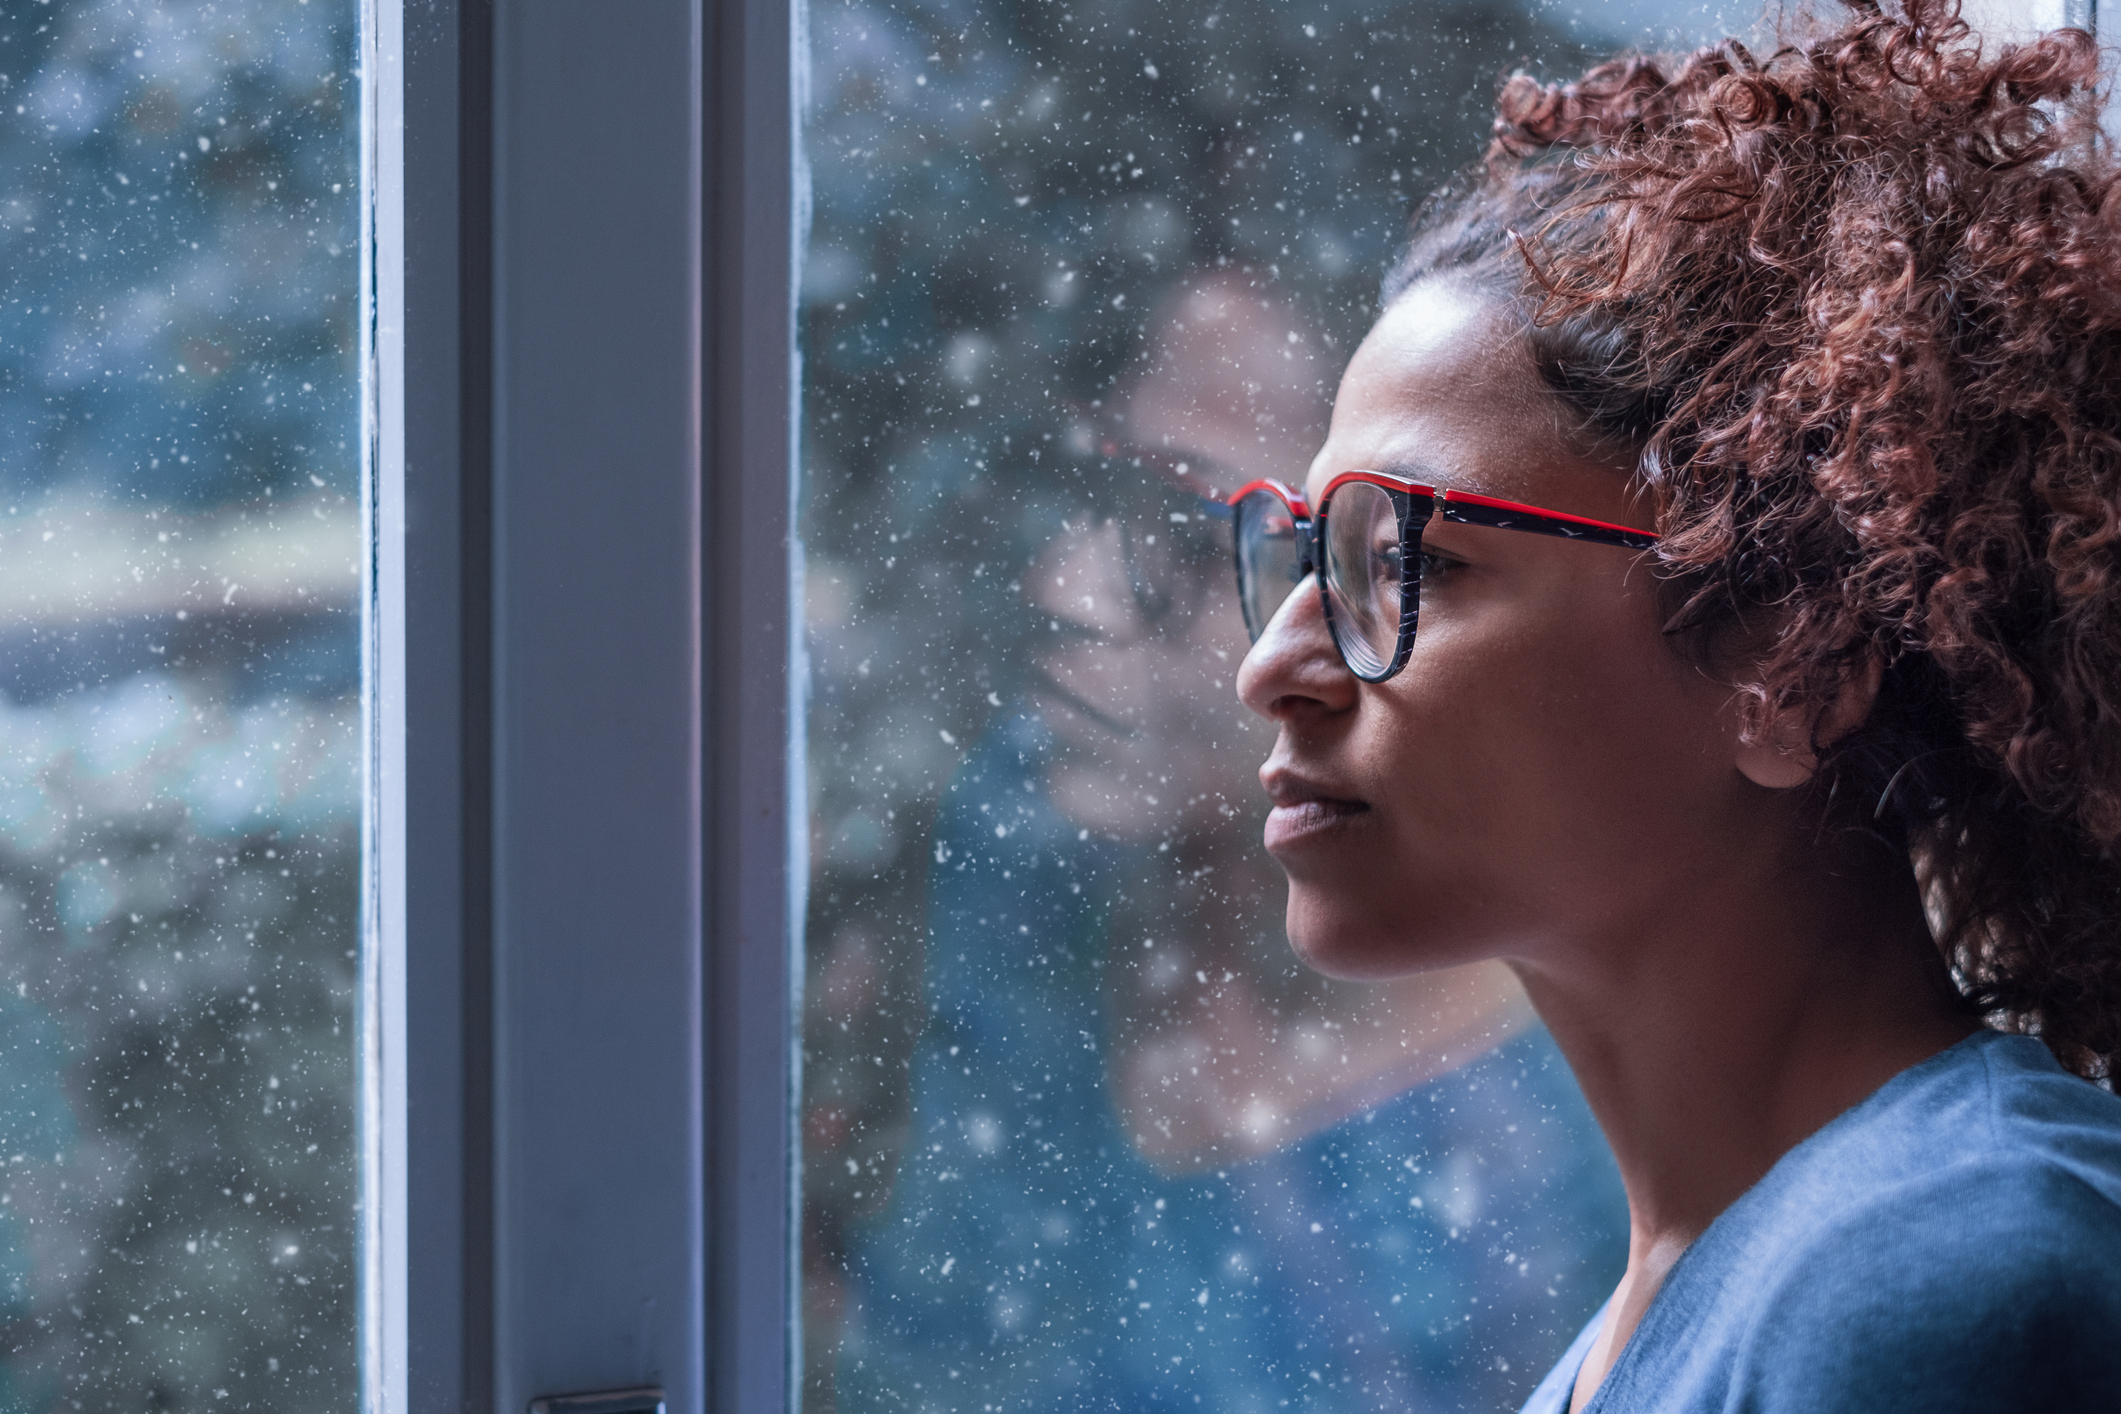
[1365, 547]
[1170, 556]
[1166, 511]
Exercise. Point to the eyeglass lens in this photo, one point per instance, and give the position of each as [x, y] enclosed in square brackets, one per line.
[1363, 574]
[1269, 561]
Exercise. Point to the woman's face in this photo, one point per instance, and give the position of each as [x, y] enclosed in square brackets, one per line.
[1546, 771]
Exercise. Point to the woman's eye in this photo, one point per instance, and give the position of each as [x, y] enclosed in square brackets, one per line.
[1435, 567]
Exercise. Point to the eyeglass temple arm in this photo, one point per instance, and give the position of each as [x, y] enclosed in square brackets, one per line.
[1470, 508]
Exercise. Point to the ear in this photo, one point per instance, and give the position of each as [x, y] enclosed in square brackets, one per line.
[1782, 756]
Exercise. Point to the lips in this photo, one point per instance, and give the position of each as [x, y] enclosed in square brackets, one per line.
[1305, 811]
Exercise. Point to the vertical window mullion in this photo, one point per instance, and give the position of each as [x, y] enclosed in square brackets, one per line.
[597, 1090]
[753, 807]
[428, 1303]
[538, 1143]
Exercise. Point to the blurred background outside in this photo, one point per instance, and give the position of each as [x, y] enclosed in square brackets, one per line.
[179, 679]
[1079, 1132]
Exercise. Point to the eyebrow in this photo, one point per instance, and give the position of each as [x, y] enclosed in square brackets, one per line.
[1425, 472]
[1433, 474]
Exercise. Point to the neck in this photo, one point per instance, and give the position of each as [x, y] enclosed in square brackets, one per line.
[1713, 1040]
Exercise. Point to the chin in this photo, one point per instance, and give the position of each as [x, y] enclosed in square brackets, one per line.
[1358, 945]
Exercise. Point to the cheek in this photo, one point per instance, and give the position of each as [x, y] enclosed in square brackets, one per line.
[1530, 779]
[1560, 768]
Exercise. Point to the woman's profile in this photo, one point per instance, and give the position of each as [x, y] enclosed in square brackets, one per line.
[1708, 601]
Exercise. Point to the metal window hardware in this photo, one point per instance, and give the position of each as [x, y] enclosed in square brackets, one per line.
[646, 1400]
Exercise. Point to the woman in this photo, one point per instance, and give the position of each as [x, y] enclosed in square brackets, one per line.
[1792, 788]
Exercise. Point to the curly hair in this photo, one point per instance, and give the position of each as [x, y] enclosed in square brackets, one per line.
[1856, 309]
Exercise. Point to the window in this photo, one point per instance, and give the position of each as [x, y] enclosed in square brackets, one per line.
[180, 548]
[1078, 1128]
[579, 1139]
[485, 923]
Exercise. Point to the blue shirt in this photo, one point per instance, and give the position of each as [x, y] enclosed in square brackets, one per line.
[1953, 1243]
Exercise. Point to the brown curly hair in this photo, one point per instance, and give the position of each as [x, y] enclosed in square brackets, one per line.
[1856, 307]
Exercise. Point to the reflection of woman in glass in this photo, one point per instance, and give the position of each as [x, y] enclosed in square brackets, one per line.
[1799, 817]
[1152, 1160]
[1149, 746]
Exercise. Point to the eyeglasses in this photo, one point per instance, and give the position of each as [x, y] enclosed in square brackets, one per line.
[1365, 546]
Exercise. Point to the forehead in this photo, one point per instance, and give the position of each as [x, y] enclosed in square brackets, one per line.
[1444, 390]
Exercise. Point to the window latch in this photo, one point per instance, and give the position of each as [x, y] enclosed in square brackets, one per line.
[646, 1400]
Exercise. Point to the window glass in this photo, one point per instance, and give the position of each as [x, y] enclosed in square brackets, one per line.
[1078, 1129]
[180, 483]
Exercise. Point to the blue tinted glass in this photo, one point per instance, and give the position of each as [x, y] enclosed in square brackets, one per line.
[1079, 1131]
[180, 537]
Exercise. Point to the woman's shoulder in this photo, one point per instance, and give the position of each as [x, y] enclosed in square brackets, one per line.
[1960, 1251]
[1990, 1126]
[1989, 1286]
[2040, 1116]
[1950, 1244]
[1989, 1140]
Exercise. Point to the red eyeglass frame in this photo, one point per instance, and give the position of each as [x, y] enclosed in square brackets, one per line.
[1417, 504]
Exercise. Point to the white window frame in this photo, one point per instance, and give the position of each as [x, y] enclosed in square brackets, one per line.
[585, 830]
[585, 836]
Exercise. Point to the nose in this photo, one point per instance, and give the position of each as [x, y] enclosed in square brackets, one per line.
[1294, 667]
